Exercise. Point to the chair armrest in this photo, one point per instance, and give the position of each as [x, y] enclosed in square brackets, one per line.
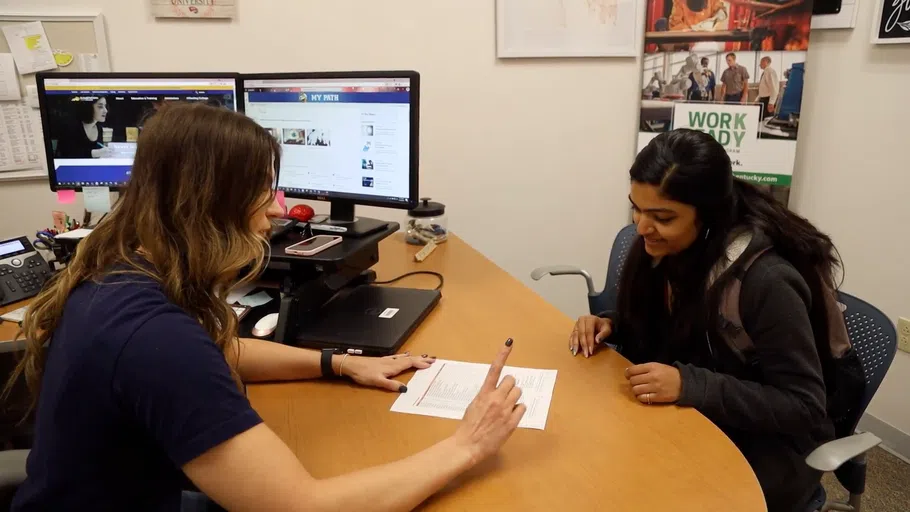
[833, 454]
[565, 270]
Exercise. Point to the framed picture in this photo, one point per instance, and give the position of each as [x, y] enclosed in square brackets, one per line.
[569, 28]
[891, 22]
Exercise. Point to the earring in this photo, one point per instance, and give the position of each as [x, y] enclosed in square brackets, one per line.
[707, 232]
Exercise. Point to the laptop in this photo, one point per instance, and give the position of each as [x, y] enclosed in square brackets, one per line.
[370, 320]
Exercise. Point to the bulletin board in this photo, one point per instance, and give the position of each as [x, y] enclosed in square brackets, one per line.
[80, 33]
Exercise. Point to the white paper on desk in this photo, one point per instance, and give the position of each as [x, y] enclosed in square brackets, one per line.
[239, 293]
[256, 300]
[31, 49]
[21, 143]
[16, 315]
[446, 388]
[9, 81]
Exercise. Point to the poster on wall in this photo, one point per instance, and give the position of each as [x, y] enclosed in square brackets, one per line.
[891, 23]
[731, 69]
[194, 8]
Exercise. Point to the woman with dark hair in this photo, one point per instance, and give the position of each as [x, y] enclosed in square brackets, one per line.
[84, 137]
[691, 213]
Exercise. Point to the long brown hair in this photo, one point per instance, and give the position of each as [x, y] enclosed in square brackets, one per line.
[199, 174]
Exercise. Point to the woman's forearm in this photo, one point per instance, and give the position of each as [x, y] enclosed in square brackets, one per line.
[261, 360]
[397, 486]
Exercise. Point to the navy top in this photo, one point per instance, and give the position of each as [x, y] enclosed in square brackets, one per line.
[133, 389]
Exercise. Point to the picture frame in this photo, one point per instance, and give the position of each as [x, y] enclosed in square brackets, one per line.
[891, 22]
[620, 35]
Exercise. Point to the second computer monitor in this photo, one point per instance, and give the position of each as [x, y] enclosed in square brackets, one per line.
[92, 121]
[347, 137]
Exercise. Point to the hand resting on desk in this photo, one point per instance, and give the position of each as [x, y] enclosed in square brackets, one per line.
[256, 471]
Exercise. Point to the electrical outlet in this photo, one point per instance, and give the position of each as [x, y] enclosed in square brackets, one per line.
[903, 334]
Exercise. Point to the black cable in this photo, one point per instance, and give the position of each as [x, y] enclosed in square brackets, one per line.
[415, 273]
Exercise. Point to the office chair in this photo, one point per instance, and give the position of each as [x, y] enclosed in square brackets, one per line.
[605, 300]
[873, 337]
[875, 340]
[12, 473]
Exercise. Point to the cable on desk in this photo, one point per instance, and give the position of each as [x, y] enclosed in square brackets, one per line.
[416, 273]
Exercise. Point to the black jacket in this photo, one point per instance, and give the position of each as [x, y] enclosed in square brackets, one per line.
[774, 409]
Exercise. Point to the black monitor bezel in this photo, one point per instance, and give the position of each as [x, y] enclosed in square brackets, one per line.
[414, 160]
[45, 119]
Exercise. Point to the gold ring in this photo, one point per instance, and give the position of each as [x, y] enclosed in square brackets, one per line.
[649, 398]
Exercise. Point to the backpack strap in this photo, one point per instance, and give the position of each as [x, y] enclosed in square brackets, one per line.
[730, 319]
[838, 337]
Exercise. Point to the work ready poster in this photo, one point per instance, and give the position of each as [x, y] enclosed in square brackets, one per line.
[734, 70]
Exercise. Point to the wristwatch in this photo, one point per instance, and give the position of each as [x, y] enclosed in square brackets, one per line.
[325, 363]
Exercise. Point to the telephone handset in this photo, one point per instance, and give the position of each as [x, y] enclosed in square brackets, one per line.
[22, 270]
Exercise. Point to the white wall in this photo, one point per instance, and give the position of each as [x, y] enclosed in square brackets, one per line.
[531, 157]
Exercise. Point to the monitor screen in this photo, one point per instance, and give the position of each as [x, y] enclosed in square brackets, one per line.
[341, 138]
[92, 123]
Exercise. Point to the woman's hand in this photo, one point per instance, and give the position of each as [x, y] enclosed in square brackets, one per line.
[376, 371]
[655, 383]
[589, 331]
[104, 152]
[493, 414]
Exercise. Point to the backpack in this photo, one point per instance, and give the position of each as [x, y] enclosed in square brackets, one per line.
[841, 367]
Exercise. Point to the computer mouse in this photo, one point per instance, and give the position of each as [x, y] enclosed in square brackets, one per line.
[266, 325]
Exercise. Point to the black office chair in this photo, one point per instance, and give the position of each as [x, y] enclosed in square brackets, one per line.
[875, 340]
[605, 300]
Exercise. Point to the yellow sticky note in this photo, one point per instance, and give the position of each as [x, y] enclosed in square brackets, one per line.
[62, 58]
[33, 42]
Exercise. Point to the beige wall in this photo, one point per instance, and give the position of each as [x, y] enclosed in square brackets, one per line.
[517, 149]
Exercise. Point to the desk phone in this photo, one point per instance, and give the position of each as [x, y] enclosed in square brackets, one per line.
[22, 270]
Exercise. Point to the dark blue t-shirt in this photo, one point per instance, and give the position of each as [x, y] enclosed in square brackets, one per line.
[133, 389]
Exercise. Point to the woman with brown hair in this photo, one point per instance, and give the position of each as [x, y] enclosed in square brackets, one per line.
[134, 350]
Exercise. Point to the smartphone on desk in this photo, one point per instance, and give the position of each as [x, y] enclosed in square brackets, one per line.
[313, 245]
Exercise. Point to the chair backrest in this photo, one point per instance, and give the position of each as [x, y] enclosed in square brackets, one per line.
[606, 301]
[875, 340]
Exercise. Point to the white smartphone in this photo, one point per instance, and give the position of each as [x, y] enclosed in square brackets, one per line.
[313, 245]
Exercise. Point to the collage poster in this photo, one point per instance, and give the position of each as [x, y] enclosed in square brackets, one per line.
[733, 69]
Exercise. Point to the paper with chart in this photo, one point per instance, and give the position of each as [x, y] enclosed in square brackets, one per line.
[21, 141]
[568, 28]
[30, 47]
[446, 388]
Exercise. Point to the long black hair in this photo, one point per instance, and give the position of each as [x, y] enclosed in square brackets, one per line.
[691, 167]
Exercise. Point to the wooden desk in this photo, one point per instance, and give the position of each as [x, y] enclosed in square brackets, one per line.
[601, 450]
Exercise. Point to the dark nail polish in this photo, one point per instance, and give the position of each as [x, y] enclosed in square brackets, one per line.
[424, 355]
[509, 342]
[403, 389]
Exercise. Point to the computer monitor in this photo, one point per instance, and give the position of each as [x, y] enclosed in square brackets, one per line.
[92, 121]
[346, 137]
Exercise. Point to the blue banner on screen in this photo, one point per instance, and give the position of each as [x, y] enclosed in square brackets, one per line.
[329, 97]
[90, 175]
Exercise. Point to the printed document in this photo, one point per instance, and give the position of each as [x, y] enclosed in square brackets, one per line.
[446, 388]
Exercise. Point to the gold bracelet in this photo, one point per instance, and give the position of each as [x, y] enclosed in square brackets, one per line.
[341, 366]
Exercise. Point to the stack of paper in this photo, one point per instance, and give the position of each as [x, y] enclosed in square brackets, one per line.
[446, 388]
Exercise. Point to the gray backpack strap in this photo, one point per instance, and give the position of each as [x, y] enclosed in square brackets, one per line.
[731, 323]
[837, 325]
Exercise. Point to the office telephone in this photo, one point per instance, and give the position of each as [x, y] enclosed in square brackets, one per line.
[22, 270]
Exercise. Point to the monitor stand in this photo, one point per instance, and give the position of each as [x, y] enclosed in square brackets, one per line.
[342, 222]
